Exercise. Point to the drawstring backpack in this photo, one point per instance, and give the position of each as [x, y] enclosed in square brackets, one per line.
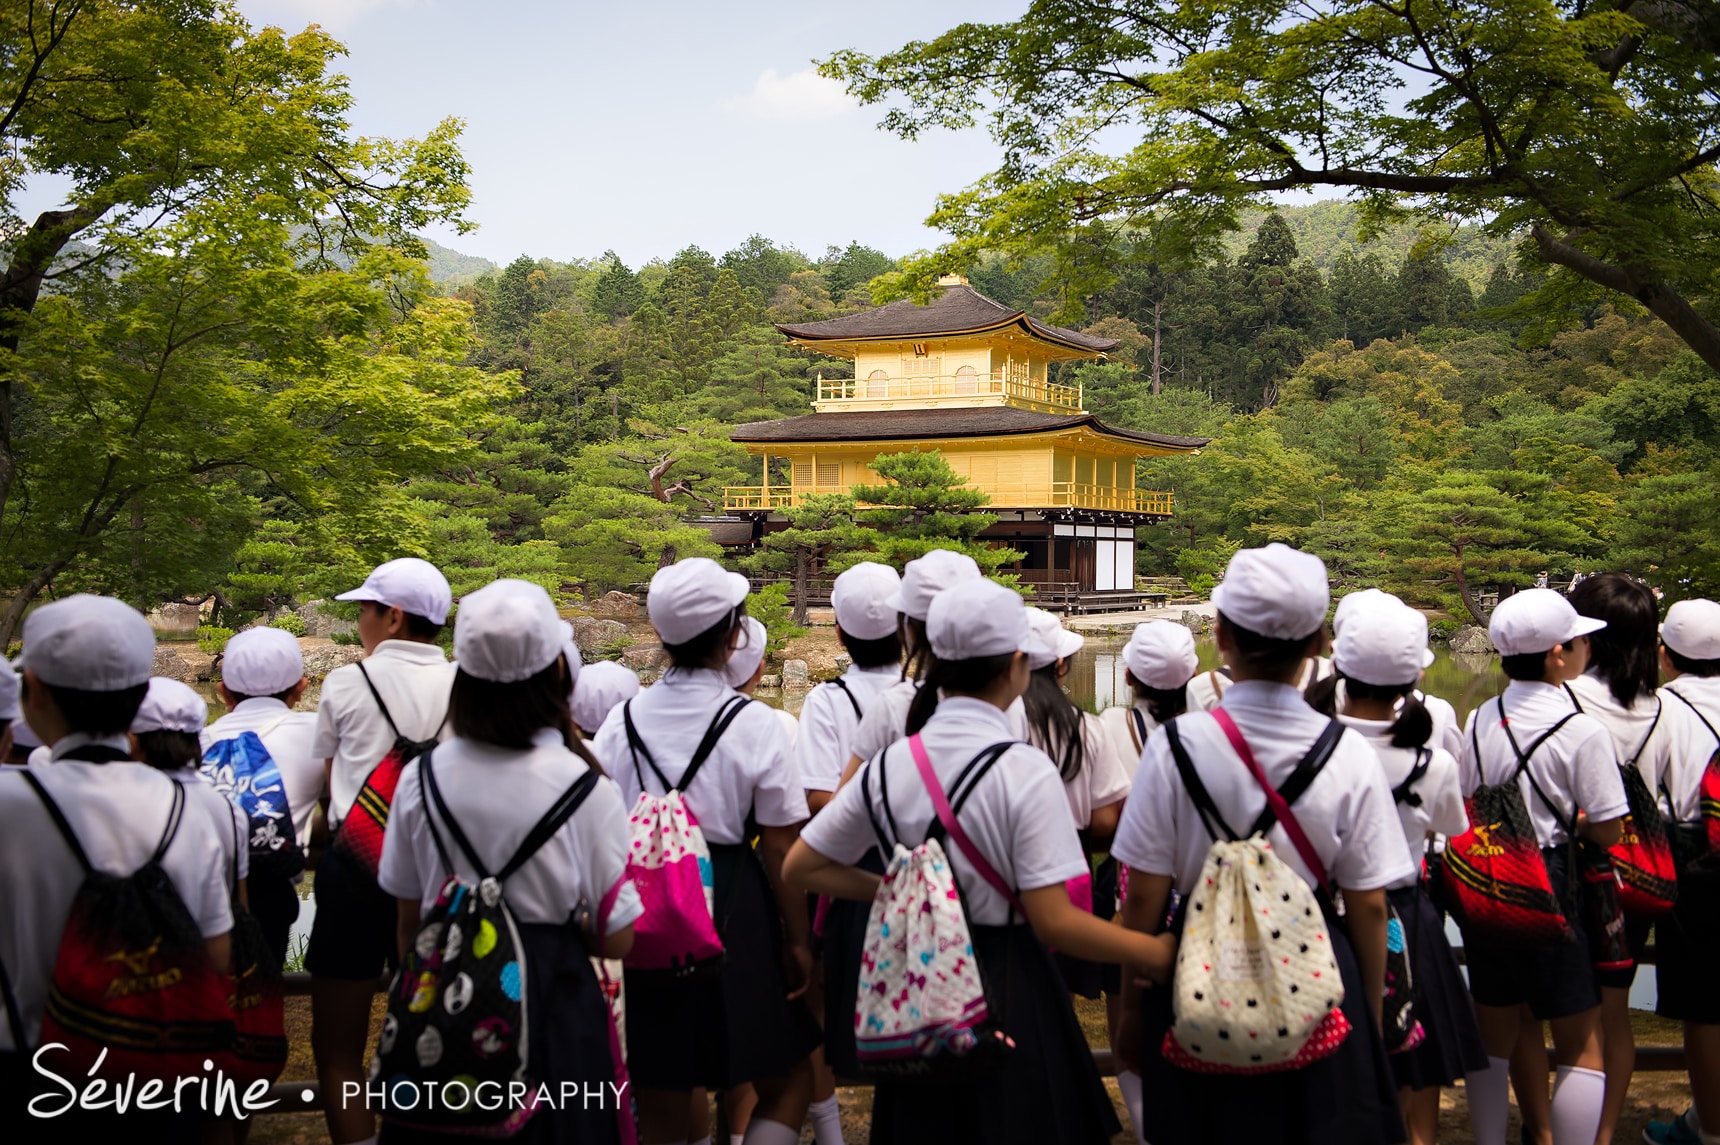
[457, 1007]
[358, 840]
[670, 863]
[255, 994]
[242, 769]
[1257, 986]
[1648, 877]
[1708, 800]
[1400, 1029]
[132, 976]
[1494, 878]
[920, 1009]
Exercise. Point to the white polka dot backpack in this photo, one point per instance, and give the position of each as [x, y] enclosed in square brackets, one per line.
[457, 1006]
[1257, 986]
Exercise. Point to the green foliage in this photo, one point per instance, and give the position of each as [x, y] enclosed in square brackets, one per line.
[823, 535]
[212, 639]
[290, 622]
[770, 607]
[345, 638]
[926, 505]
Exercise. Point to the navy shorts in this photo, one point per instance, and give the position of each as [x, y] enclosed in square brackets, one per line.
[1554, 981]
[353, 933]
[1687, 946]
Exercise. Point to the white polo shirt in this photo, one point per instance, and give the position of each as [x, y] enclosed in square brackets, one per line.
[118, 812]
[1441, 810]
[1103, 778]
[1016, 816]
[1700, 741]
[749, 769]
[828, 723]
[413, 680]
[1576, 768]
[1346, 813]
[886, 721]
[497, 795]
[1638, 735]
[290, 738]
[231, 825]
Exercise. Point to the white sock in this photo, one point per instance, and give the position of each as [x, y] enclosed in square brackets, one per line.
[1129, 1082]
[826, 1121]
[737, 1138]
[1578, 1095]
[762, 1132]
[1489, 1093]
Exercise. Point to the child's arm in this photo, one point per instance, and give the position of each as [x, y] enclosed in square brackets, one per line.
[1365, 920]
[1060, 923]
[1143, 911]
[807, 871]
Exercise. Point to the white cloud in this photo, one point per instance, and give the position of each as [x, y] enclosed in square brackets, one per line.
[800, 96]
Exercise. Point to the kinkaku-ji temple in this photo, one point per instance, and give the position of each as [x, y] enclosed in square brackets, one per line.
[970, 377]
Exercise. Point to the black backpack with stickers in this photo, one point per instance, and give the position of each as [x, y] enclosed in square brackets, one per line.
[457, 1009]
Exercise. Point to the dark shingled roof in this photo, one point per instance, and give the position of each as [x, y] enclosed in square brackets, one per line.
[959, 421]
[955, 310]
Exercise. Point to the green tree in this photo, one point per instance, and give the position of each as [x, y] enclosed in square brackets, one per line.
[925, 505]
[822, 536]
[759, 264]
[618, 291]
[1666, 529]
[611, 538]
[1571, 122]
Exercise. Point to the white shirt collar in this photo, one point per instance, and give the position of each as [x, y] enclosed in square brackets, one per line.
[696, 678]
[411, 651]
[75, 740]
[968, 709]
[259, 704]
[893, 671]
[1264, 694]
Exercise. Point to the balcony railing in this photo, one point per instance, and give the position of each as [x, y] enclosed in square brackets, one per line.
[1053, 495]
[950, 386]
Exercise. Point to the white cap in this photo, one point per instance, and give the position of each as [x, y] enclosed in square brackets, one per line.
[1160, 654]
[570, 652]
[1692, 629]
[748, 654]
[981, 618]
[409, 584]
[9, 687]
[927, 576]
[861, 597]
[262, 662]
[690, 596]
[1276, 591]
[95, 643]
[508, 631]
[1536, 619]
[1350, 602]
[1051, 641]
[1389, 646]
[170, 706]
[601, 686]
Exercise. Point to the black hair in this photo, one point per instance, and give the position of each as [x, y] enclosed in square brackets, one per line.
[1701, 669]
[98, 713]
[1053, 721]
[284, 696]
[1267, 656]
[911, 631]
[419, 628]
[957, 677]
[872, 653]
[1163, 704]
[1524, 665]
[169, 750]
[1622, 653]
[510, 714]
[710, 648]
[1414, 724]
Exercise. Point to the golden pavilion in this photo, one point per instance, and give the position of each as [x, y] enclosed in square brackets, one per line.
[970, 377]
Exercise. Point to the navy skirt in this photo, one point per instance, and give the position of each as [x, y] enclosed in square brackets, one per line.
[1046, 1091]
[1452, 1047]
[1348, 1098]
[733, 1024]
[568, 1027]
[844, 938]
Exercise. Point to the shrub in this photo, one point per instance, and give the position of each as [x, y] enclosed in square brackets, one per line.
[212, 641]
[289, 622]
[770, 607]
[348, 638]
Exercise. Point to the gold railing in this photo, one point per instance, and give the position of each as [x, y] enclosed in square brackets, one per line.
[1020, 495]
[949, 386]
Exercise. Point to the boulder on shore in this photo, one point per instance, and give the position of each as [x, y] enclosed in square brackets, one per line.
[172, 665]
[1193, 621]
[645, 656]
[1471, 640]
[321, 623]
[617, 604]
[319, 662]
[595, 636]
[795, 677]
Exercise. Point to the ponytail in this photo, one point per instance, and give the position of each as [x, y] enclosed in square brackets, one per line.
[913, 634]
[1322, 694]
[1163, 704]
[1054, 721]
[959, 678]
[1414, 724]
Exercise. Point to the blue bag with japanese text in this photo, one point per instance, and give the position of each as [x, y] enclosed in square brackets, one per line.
[242, 769]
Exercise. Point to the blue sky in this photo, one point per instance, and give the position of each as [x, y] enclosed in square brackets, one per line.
[643, 126]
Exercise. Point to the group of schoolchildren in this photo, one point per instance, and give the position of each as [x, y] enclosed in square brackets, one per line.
[731, 863]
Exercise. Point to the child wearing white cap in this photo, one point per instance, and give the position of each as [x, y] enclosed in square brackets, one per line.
[164, 734]
[1447, 728]
[747, 1022]
[1565, 763]
[86, 670]
[399, 690]
[1008, 799]
[465, 808]
[746, 668]
[866, 627]
[1271, 621]
[262, 678]
[600, 688]
[1206, 690]
[1687, 940]
[1379, 656]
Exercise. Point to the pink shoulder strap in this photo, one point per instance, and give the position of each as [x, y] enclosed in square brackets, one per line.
[953, 827]
[1281, 809]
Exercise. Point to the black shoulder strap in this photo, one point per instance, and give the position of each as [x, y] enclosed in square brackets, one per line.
[636, 748]
[1197, 792]
[1659, 707]
[59, 819]
[846, 691]
[233, 826]
[14, 1018]
[1685, 700]
[371, 684]
[1403, 792]
[719, 724]
[966, 780]
[1570, 824]
[1307, 770]
[559, 813]
[1138, 724]
[885, 848]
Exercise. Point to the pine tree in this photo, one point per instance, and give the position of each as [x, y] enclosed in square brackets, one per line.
[823, 538]
[926, 505]
[617, 292]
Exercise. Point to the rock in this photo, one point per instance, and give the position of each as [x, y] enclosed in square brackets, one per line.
[176, 619]
[319, 662]
[645, 656]
[650, 675]
[1475, 663]
[770, 682]
[319, 622]
[596, 637]
[1471, 640]
[171, 664]
[795, 676]
[616, 604]
[843, 662]
[1193, 621]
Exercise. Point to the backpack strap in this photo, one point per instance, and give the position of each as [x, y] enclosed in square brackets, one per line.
[1276, 804]
[1137, 728]
[947, 815]
[1402, 793]
[377, 696]
[719, 724]
[542, 831]
[846, 691]
[1570, 824]
[59, 818]
[14, 1017]
[884, 845]
[1302, 777]
[1210, 818]
[636, 748]
[1686, 702]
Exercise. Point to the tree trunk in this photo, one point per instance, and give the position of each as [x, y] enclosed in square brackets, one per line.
[1468, 595]
[802, 578]
[1158, 375]
[14, 615]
